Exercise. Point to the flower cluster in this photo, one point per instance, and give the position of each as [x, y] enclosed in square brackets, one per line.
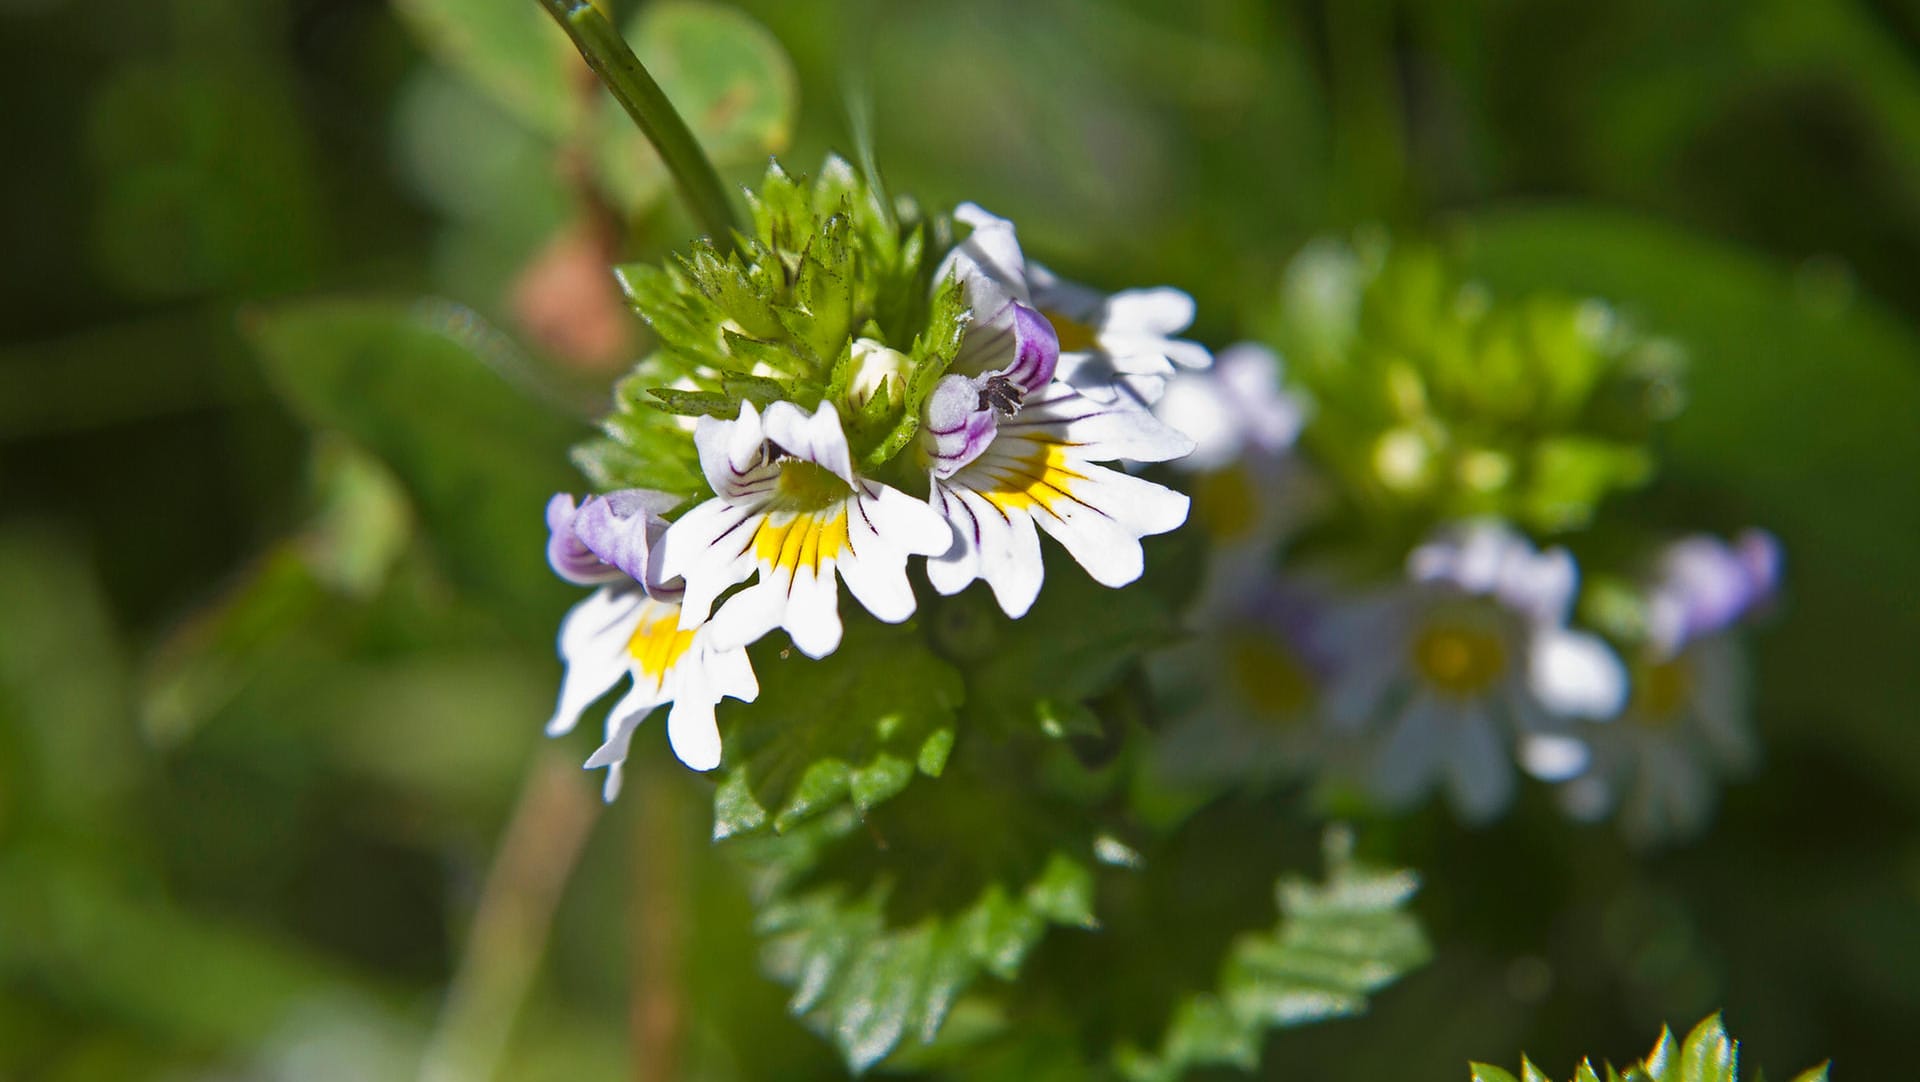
[1468, 655]
[838, 404]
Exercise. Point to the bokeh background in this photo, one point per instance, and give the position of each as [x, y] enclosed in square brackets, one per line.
[274, 656]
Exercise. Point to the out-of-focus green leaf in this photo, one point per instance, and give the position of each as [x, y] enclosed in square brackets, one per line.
[1801, 408]
[509, 48]
[69, 759]
[431, 392]
[725, 74]
[855, 726]
[1337, 943]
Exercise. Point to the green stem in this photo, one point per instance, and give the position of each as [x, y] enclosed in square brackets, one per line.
[608, 54]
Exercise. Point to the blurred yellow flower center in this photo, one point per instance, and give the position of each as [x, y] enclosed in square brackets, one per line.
[1075, 336]
[1660, 692]
[658, 643]
[804, 486]
[1462, 661]
[1021, 485]
[1224, 501]
[800, 541]
[1270, 677]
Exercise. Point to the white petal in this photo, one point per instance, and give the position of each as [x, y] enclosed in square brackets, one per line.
[1001, 547]
[816, 438]
[1575, 674]
[593, 643]
[902, 522]
[876, 576]
[1104, 431]
[1158, 312]
[733, 454]
[693, 734]
[1479, 770]
[1553, 756]
[1406, 766]
[813, 611]
[749, 614]
[711, 547]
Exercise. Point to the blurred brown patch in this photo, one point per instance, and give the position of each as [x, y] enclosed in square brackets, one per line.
[566, 301]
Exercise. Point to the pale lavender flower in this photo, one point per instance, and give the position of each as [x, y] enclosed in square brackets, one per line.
[1468, 666]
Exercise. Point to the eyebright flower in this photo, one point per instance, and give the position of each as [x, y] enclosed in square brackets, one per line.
[1687, 719]
[1236, 408]
[1010, 449]
[1249, 490]
[1469, 659]
[623, 630]
[789, 507]
[1244, 696]
[1112, 347]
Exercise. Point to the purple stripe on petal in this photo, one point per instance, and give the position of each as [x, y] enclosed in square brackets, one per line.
[957, 427]
[1037, 353]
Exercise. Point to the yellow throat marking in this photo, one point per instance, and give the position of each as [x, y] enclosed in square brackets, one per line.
[806, 540]
[1459, 659]
[657, 644]
[1028, 483]
[1075, 336]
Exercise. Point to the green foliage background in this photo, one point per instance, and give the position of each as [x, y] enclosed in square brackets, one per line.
[275, 633]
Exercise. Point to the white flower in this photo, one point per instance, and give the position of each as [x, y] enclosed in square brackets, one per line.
[1249, 490]
[1687, 721]
[620, 631]
[1242, 698]
[1112, 347]
[631, 627]
[789, 507]
[1467, 665]
[1234, 409]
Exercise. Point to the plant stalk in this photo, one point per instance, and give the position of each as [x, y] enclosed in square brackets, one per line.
[608, 54]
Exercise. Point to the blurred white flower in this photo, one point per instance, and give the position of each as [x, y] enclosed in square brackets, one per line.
[1468, 666]
[1687, 721]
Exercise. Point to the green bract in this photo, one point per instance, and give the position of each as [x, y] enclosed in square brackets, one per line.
[776, 318]
[1433, 398]
[1707, 1055]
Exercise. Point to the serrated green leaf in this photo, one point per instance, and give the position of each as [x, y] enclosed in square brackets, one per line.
[868, 983]
[1707, 1055]
[854, 725]
[1337, 942]
[425, 388]
[1485, 1072]
[508, 48]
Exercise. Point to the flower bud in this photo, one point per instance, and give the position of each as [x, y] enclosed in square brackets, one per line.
[878, 372]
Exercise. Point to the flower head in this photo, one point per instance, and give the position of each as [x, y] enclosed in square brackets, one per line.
[608, 538]
[631, 627]
[1467, 664]
[620, 631]
[1687, 721]
[789, 508]
[1112, 347]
